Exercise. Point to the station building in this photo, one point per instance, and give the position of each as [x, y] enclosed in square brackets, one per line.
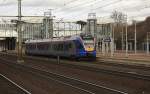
[142, 36]
[106, 33]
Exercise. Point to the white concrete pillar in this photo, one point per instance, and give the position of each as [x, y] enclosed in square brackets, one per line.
[112, 40]
[126, 40]
[112, 47]
[135, 40]
[103, 48]
[107, 47]
[147, 44]
[122, 41]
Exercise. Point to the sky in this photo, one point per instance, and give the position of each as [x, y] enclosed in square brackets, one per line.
[78, 9]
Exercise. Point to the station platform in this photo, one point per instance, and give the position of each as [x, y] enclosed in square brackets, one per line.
[140, 58]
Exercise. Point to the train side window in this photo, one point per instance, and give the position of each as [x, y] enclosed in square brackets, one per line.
[46, 46]
[61, 47]
[40, 47]
[58, 47]
[49, 46]
[31, 46]
[55, 47]
[67, 46]
[28, 46]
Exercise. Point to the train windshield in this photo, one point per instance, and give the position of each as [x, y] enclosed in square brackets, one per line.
[88, 42]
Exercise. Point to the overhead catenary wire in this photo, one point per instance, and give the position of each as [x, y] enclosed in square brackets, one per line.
[65, 4]
[86, 11]
[117, 1]
[88, 4]
[69, 2]
[135, 8]
[106, 6]
[81, 4]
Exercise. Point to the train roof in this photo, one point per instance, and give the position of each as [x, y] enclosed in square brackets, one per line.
[54, 39]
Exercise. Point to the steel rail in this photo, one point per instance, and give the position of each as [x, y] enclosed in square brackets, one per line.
[108, 71]
[41, 75]
[113, 72]
[15, 84]
[75, 81]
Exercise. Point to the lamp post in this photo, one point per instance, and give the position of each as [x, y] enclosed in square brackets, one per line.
[122, 38]
[135, 39]
[126, 37]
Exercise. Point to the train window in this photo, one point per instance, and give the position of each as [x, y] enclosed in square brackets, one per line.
[60, 47]
[27, 46]
[45, 46]
[39, 46]
[42, 46]
[68, 46]
[31, 46]
[55, 47]
[49, 46]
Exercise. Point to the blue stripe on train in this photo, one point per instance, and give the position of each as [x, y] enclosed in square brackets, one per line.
[83, 53]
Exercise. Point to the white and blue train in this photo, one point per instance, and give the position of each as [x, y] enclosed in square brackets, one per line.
[71, 46]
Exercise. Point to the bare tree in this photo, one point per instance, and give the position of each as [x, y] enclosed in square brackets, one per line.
[118, 17]
[119, 20]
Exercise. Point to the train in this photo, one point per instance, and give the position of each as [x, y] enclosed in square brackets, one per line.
[77, 46]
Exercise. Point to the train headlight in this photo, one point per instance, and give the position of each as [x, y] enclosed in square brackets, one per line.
[89, 49]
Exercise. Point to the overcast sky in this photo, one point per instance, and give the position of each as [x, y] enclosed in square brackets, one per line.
[78, 9]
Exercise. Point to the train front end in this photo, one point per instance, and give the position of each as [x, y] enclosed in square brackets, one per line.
[89, 46]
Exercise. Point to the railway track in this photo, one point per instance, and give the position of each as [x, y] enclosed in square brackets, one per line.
[43, 62]
[131, 74]
[98, 62]
[10, 87]
[85, 86]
